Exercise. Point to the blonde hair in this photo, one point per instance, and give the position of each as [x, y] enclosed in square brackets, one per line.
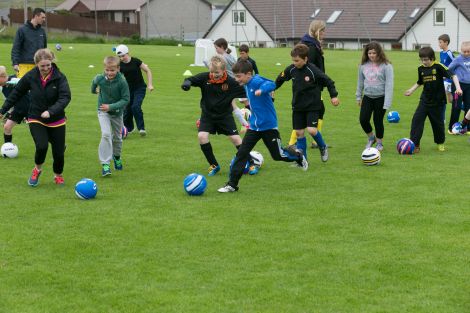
[3, 71]
[111, 61]
[315, 27]
[44, 54]
[217, 62]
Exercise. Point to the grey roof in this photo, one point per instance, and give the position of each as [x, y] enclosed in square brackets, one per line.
[359, 19]
[103, 5]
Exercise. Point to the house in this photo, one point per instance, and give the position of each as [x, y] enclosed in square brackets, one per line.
[124, 11]
[396, 24]
[164, 18]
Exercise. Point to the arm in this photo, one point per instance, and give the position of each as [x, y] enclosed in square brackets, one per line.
[360, 85]
[255, 67]
[16, 49]
[388, 86]
[197, 80]
[267, 86]
[144, 67]
[94, 84]
[327, 82]
[458, 90]
[124, 99]
[238, 113]
[413, 88]
[16, 94]
[283, 77]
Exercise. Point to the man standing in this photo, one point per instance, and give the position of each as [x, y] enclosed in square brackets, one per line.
[28, 39]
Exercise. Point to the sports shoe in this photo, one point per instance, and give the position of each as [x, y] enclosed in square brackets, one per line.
[117, 164]
[314, 145]
[106, 170]
[302, 162]
[450, 132]
[59, 180]
[441, 148]
[379, 146]
[213, 169]
[324, 153]
[33, 181]
[292, 149]
[371, 142]
[227, 188]
[253, 170]
[142, 132]
[417, 149]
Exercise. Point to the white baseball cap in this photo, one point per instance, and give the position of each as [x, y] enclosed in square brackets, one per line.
[122, 50]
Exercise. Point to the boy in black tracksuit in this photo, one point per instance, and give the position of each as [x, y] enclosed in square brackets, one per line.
[432, 100]
[218, 90]
[307, 82]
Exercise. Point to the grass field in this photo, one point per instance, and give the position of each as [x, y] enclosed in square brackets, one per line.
[341, 237]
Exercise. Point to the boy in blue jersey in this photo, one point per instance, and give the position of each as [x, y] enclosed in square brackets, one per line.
[446, 57]
[461, 67]
[430, 75]
[263, 125]
[307, 83]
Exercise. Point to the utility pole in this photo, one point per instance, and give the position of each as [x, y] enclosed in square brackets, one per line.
[96, 21]
[25, 10]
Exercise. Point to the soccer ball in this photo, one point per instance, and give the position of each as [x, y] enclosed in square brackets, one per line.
[58, 47]
[86, 189]
[393, 117]
[371, 156]
[457, 129]
[405, 146]
[245, 170]
[9, 150]
[124, 132]
[195, 184]
[257, 158]
[246, 113]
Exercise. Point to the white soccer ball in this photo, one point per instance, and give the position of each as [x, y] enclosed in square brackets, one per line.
[257, 158]
[371, 156]
[246, 113]
[9, 150]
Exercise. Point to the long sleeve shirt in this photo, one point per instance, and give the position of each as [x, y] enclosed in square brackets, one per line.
[374, 81]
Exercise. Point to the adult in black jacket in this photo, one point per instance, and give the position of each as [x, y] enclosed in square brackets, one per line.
[28, 39]
[50, 94]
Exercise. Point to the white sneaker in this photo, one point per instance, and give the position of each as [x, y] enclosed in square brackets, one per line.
[227, 188]
[304, 163]
[142, 132]
[324, 154]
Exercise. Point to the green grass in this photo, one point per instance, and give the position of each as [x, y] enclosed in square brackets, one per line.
[341, 237]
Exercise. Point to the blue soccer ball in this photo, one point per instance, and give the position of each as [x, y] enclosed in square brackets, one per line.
[86, 189]
[58, 47]
[393, 117]
[405, 146]
[195, 184]
[245, 170]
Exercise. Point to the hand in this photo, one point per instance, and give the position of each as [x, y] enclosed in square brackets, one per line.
[186, 85]
[258, 92]
[459, 91]
[359, 102]
[335, 101]
[150, 88]
[16, 67]
[45, 114]
[244, 129]
[408, 92]
[104, 107]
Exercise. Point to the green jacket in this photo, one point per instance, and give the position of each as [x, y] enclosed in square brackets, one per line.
[114, 92]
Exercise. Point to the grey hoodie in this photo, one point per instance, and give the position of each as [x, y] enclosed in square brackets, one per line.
[28, 40]
[375, 81]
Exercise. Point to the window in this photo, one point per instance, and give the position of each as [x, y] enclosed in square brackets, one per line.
[331, 45]
[417, 46]
[388, 16]
[439, 17]
[414, 13]
[314, 14]
[334, 16]
[239, 18]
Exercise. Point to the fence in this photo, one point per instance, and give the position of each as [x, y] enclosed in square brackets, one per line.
[81, 24]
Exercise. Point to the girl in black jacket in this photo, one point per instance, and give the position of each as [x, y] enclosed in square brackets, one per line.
[50, 94]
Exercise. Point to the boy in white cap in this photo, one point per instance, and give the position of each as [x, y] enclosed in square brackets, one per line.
[132, 68]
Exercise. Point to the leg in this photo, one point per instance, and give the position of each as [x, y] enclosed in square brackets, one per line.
[128, 117]
[57, 140]
[437, 124]
[417, 124]
[136, 106]
[7, 130]
[378, 117]
[41, 141]
[454, 112]
[105, 150]
[116, 125]
[364, 118]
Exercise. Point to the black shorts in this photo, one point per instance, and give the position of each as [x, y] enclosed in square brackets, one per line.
[303, 119]
[17, 116]
[224, 126]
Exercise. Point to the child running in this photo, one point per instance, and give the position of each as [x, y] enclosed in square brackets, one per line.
[113, 95]
[263, 125]
[307, 82]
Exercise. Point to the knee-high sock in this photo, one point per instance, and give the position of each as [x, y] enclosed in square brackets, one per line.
[293, 138]
[7, 138]
[302, 144]
[207, 150]
[319, 140]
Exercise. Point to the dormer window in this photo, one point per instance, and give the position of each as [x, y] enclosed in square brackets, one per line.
[388, 16]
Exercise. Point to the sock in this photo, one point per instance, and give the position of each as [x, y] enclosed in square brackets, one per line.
[302, 144]
[207, 150]
[293, 138]
[319, 125]
[464, 123]
[372, 137]
[319, 140]
[7, 138]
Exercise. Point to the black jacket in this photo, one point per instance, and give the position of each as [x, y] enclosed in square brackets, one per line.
[315, 53]
[307, 83]
[28, 40]
[54, 97]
